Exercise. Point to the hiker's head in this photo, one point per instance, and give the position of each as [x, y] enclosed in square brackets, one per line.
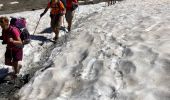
[4, 22]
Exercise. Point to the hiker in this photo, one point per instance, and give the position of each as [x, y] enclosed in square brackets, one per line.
[57, 11]
[71, 5]
[14, 49]
[111, 2]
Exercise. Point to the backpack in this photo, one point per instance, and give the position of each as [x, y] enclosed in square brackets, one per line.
[57, 5]
[63, 1]
[20, 23]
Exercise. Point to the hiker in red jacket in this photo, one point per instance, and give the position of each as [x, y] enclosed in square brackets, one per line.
[14, 49]
[57, 11]
[71, 5]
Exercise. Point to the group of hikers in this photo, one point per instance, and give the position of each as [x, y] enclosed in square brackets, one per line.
[58, 9]
[11, 34]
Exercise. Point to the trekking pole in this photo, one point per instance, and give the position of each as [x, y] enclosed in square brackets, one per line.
[35, 29]
[37, 25]
[64, 30]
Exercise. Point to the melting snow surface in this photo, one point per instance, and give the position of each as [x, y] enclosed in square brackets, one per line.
[120, 52]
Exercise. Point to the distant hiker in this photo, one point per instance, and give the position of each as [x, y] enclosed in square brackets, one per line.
[14, 49]
[71, 5]
[111, 2]
[57, 11]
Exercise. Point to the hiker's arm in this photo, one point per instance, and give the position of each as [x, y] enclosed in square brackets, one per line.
[16, 42]
[16, 34]
[42, 14]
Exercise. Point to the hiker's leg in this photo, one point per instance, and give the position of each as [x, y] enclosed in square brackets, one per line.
[62, 21]
[15, 66]
[8, 57]
[66, 16]
[8, 62]
[56, 24]
[17, 56]
[69, 18]
[69, 25]
[53, 24]
[56, 31]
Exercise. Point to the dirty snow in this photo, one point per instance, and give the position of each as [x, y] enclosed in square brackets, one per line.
[120, 52]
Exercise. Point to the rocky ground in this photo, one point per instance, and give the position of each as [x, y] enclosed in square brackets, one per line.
[22, 5]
